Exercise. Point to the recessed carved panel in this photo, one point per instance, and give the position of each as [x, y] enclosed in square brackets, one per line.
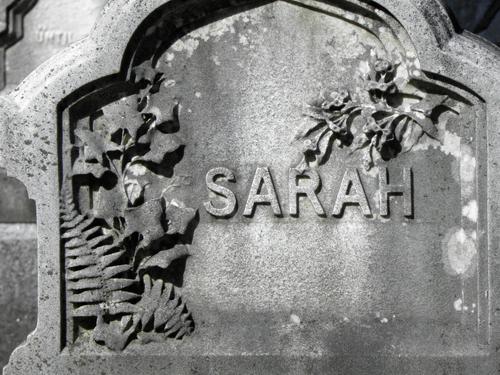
[235, 173]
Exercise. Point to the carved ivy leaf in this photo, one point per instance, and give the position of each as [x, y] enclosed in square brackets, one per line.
[135, 182]
[81, 167]
[164, 258]
[109, 203]
[161, 144]
[178, 216]
[145, 220]
[95, 145]
[123, 114]
[177, 181]
[134, 191]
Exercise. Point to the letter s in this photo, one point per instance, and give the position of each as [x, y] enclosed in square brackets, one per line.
[228, 195]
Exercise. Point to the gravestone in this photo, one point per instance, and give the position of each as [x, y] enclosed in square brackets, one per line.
[31, 32]
[263, 187]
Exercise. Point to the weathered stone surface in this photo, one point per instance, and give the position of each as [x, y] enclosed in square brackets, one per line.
[18, 278]
[168, 150]
[33, 31]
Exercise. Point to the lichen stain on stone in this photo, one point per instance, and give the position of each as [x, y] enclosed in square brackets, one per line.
[459, 253]
[216, 30]
[464, 167]
[470, 211]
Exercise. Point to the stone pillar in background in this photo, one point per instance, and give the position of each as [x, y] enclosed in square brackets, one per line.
[31, 31]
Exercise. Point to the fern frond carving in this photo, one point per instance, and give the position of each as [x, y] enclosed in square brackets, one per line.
[96, 274]
[162, 310]
[130, 223]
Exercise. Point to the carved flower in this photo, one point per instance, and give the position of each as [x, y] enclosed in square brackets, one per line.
[383, 66]
[335, 100]
[381, 80]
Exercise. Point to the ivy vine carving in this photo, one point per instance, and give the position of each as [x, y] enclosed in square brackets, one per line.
[113, 249]
[381, 118]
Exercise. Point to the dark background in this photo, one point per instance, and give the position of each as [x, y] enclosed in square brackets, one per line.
[18, 274]
[479, 16]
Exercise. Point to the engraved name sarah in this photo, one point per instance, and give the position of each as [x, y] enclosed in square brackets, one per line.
[351, 192]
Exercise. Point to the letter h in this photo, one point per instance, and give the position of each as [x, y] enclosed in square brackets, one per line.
[405, 189]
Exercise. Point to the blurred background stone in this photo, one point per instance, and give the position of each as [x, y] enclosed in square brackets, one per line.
[479, 16]
[18, 285]
[48, 27]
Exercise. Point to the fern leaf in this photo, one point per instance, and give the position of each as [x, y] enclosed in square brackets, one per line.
[161, 305]
[93, 258]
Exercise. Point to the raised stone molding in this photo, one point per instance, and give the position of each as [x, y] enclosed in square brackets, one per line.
[12, 28]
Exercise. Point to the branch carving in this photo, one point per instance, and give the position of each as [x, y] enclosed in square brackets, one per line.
[384, 117]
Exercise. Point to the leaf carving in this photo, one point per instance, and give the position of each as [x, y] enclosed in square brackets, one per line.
[162, 144]
[164, 258]
[178, 217]
[93, 265]
[81, 167]
[162, 306]
[95, 145]
[147, 221]
[122, 114]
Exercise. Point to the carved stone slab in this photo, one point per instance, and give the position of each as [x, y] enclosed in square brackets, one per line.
[263, 187]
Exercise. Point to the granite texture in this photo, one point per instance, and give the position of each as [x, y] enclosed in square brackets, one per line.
[270, 292]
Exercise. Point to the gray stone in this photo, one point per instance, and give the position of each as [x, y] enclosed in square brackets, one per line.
[19, 285]
[32, 32]
[356, 145]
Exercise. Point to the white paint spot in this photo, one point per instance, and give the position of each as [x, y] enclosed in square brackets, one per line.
[384, 320]
[346, 319]
[169, 83]
[451, 144]
[295, 319]
[470, 211]
[216, 61]
[243, 40]
[458, 304]
[459, 253]
[411, 54]
[197, 94]
[188, 45]
[467, 165]
[169, 56]
[138, 170]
